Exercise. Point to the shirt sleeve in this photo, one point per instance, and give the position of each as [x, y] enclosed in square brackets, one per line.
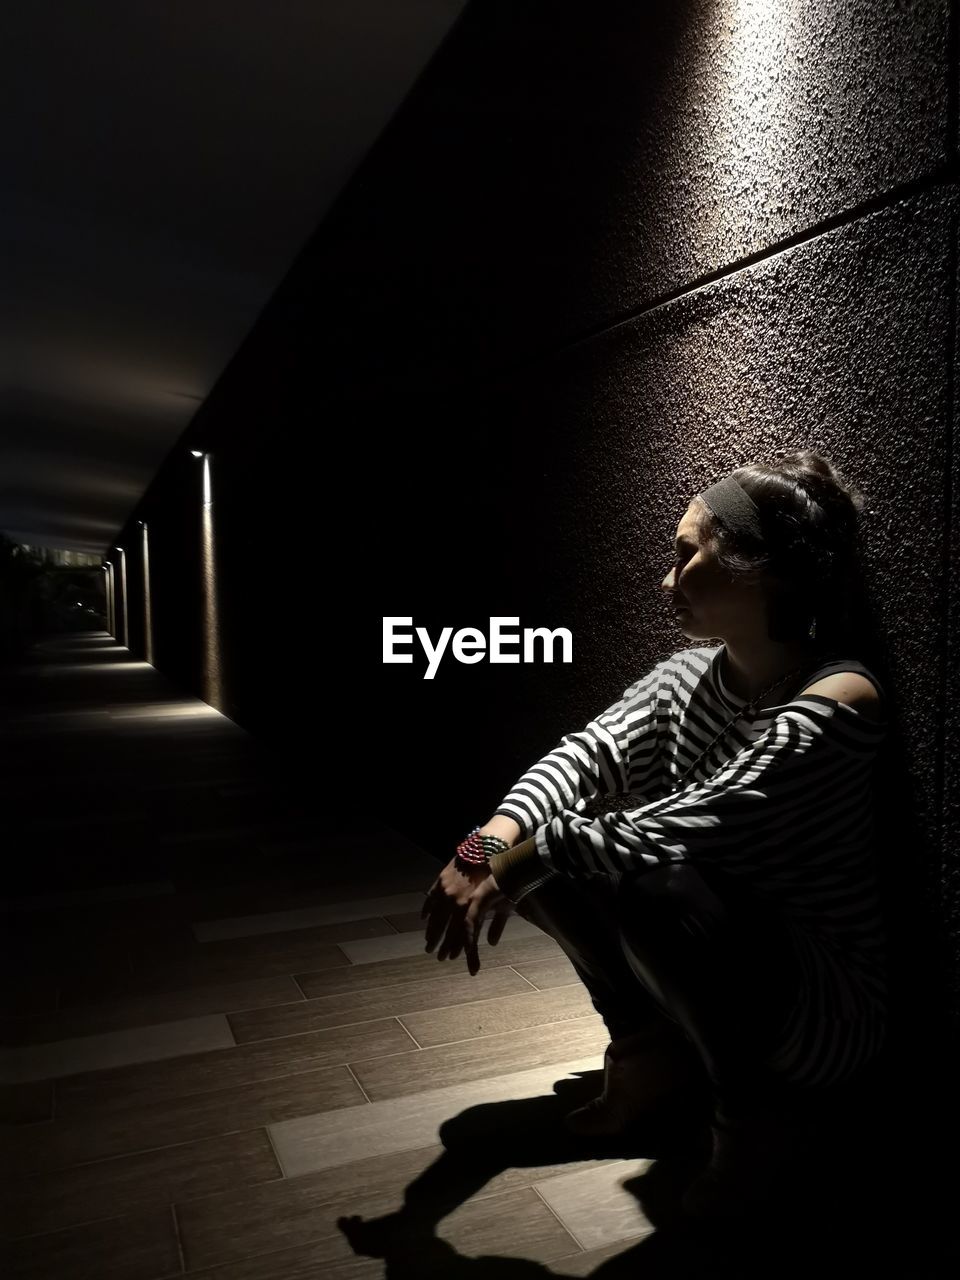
[617, 751]
[787, 791]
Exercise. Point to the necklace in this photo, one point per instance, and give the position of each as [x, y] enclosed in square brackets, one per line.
[750, 707]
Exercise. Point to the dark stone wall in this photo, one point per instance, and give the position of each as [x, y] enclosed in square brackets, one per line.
[600, 257]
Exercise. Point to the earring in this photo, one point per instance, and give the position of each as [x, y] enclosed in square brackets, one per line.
[812, 633]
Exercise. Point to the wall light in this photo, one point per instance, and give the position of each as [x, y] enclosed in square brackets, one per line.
[196, 453]
[111, 600]
[147, 594]
[212, 669]
[123, 593]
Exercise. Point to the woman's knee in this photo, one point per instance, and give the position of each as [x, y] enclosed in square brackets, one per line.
[561, 905]
[677, 914]
[670, 895]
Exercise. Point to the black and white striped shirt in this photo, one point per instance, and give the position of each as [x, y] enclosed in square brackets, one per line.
[785, 799]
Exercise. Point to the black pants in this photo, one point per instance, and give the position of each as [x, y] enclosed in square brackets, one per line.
[686, 945]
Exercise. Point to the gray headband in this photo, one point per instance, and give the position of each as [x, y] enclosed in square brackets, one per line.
[733, 506]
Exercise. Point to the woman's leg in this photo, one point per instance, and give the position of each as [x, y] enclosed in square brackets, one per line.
[582, 918]
[720, 961]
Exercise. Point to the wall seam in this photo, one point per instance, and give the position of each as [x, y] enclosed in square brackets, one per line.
[945, 176]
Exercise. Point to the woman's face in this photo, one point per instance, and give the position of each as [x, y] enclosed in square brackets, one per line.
[710, 603]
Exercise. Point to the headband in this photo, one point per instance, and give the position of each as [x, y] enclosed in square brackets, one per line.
[731, 504]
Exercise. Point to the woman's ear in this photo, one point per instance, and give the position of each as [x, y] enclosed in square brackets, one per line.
[760, 580]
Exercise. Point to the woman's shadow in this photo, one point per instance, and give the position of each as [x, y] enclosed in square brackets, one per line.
[878, 1194]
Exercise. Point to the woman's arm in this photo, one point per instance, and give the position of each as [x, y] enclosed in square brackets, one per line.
[617, 751]
[504, 827]
[792, 788]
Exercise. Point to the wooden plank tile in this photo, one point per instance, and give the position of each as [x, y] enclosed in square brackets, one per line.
[151, 1125]
[286, 945]
[389, 947]
[70, 1197]
[494, 1055]
[406, 921]
[422, 965]
[554, 971]
[316, 1261]
[332, 1138]
[26, 1102]
[593, 1205]
[115, 1049]
[519, 1222]
[318, 915]
[486, 1017]
[139, 1011]
[338, 1010]
[124, 1087]
[226, 1228]
[267, 942]
[267, 889]
[205, 968]
[516, 1224]
[138, 1246]
[586, 1262]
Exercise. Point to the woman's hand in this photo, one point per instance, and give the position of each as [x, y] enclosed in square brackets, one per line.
[456, 905]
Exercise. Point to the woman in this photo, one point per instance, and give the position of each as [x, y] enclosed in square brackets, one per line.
[702, 850]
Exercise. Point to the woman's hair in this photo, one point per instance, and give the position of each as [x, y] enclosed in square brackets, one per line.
[809, 513]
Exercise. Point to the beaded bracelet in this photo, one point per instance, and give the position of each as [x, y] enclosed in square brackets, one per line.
[476, 849]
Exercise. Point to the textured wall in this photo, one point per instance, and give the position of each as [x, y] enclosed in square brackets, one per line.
[601, 256]
[554, 173]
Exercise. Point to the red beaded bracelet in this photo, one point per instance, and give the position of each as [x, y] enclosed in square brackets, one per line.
[476, 849]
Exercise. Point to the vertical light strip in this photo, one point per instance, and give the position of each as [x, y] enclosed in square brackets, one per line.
[212, 676]
[108, 596]
[147, 601]
[123, 592]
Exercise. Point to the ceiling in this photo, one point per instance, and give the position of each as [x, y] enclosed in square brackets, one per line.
[166, 161]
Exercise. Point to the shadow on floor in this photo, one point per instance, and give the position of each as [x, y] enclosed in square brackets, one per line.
[879, 1197]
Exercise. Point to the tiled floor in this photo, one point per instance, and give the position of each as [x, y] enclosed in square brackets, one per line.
[225, 1052]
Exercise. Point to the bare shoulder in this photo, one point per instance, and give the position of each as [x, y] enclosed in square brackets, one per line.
[853, 689]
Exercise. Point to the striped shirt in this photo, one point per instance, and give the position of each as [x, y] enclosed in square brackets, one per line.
[784, 799]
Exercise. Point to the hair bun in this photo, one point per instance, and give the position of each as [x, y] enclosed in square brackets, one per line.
[822, 479]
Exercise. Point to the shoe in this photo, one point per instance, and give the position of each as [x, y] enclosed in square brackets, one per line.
[754, 1159]
[641, 1073]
